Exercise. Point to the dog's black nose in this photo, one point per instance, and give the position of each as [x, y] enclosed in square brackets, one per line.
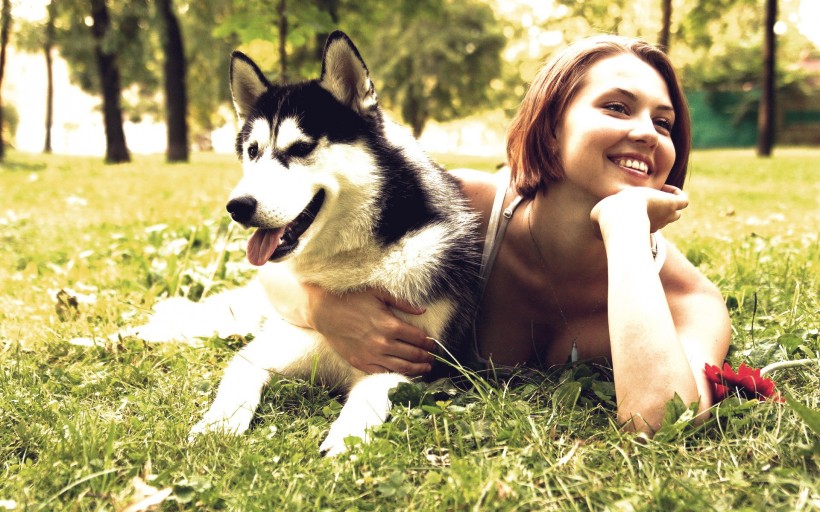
[241, 208]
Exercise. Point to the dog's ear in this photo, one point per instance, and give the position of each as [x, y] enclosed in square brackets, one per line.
[345, 75]
[247, 83]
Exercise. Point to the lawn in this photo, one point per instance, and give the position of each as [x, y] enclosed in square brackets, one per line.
[87, 248]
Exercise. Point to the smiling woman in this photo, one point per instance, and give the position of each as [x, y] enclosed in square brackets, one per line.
[574, 265]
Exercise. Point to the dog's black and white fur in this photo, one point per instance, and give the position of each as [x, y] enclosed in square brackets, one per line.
[339, 197]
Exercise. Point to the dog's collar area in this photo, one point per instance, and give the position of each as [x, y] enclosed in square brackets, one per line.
[295, 229]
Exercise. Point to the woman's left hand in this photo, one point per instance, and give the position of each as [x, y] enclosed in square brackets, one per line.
[660, 207]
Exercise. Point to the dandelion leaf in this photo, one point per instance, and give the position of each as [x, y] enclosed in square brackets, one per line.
[808, 415]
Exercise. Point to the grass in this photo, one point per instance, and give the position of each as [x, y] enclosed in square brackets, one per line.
[99, 428]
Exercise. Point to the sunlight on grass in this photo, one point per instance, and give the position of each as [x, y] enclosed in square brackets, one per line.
[87, 428]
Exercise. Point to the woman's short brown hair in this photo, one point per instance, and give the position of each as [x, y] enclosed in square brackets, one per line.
[531, 153]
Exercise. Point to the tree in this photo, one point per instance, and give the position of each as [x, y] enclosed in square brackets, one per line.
[432, 59]
[765, 113]
[5, 28]
[666, 24]
[116, 150]
[284, 36]
[176, 100]
[94, 47]
[206, 57]
[36, 37]
[437, 63]
[48, 45]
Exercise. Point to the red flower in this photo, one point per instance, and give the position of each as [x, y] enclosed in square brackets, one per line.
[747, 382]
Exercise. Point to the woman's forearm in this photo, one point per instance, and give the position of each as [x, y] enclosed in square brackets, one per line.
[649, 363]
[360, 326]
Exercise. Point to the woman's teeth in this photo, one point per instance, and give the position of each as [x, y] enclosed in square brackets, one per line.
[633, 164]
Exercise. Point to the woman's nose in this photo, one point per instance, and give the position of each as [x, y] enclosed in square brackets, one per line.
[644, 130]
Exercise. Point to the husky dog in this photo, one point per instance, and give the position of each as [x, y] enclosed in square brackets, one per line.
[342, 198]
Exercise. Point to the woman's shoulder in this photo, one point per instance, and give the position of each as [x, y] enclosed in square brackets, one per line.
[480, 187]
[697, 306]
[681, 277]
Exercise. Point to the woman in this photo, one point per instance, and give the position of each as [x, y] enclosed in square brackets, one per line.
[574, 267]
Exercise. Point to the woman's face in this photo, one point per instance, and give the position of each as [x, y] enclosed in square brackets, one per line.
[616, 131]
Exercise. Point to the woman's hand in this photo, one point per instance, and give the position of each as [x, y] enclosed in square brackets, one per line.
[659, 207]
[361, 327]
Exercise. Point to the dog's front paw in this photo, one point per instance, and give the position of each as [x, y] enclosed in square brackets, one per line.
[334, 444]
[219, 420]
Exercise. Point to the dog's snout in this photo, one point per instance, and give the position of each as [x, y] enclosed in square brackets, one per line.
[241, 208]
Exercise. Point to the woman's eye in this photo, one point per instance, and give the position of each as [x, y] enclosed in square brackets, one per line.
[617, 107]
[253, 150]
[664, 124]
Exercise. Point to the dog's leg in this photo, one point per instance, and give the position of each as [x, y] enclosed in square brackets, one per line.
[281, 348]
[367, 406]
[237, 311]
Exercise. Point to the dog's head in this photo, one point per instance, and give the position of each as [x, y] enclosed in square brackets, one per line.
[298, 144]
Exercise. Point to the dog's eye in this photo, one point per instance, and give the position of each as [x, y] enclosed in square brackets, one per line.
[301, 149]
[253, 150]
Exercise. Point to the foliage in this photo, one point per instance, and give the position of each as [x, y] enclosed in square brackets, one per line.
[602, 15]
[130, 39]
[722, 45]
[90, 428]
[430, 60]
[437, 64]
[207, 57]
[256, 26]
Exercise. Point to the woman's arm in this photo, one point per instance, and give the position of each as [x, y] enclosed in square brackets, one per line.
[700, 316]
[360, 326]
[660, 336]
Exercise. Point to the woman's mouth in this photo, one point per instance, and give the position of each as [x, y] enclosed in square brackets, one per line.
[633, 164]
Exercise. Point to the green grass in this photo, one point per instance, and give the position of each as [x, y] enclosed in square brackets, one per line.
[86, 428]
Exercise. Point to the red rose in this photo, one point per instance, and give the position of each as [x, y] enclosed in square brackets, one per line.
[747, 382]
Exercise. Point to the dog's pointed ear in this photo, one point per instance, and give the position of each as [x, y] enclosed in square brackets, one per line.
[345, 75]
[247, 83]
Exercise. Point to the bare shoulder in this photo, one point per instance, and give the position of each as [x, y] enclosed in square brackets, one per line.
[479, 187]
[697, 306]
[679, 276]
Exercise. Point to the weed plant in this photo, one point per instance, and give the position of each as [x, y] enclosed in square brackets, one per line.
[86, 249]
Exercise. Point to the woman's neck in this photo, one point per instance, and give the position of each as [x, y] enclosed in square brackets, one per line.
[558, 224]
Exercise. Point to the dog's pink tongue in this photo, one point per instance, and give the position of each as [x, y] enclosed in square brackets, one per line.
[262, 244]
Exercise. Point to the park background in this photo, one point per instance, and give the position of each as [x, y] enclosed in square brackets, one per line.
[87, 248]
[452, 70]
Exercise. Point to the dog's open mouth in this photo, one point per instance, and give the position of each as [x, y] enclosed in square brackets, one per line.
[272, 244]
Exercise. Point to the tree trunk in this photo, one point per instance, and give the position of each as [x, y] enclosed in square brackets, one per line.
[5, 29]
[47, 48]
[283, 36]
[176, 101]
[765, 114]
[666, 20]
[116, 150]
